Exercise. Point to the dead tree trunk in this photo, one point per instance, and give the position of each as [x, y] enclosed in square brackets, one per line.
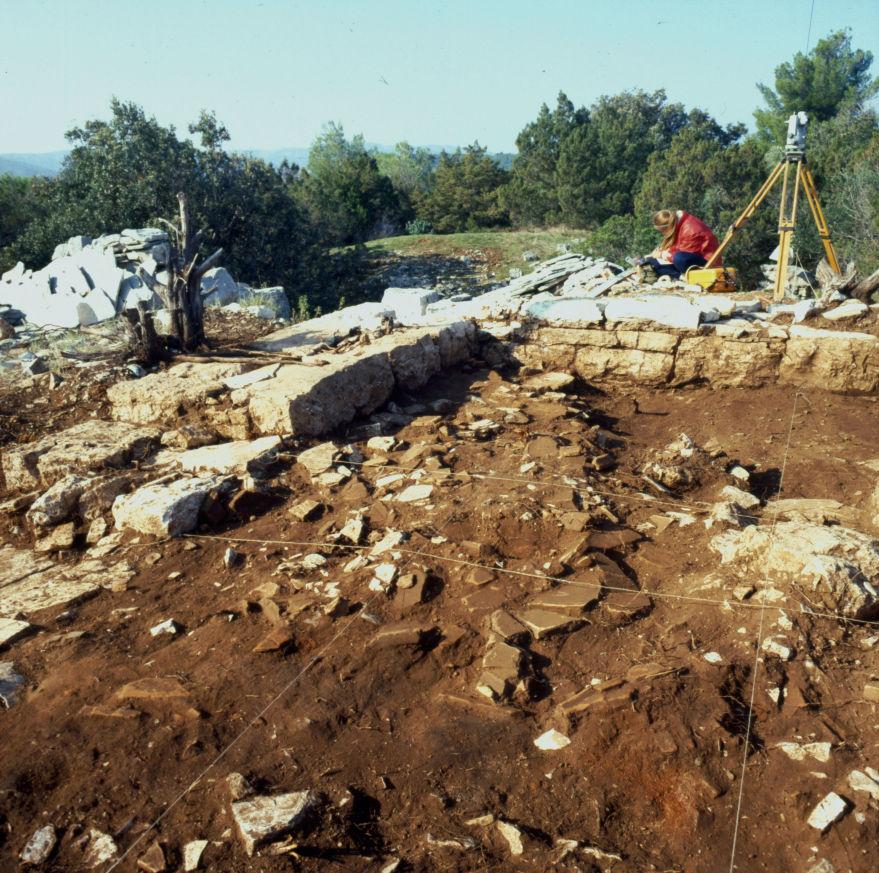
[864, 289]
[181, 293]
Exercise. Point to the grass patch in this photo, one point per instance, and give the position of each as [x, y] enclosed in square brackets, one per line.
[501, 250]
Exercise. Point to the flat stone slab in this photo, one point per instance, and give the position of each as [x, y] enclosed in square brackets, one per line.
[87, 447]
[569, 597]
[261, 820]
[326, 329]
[543, 623]
[51, 585]
[240, 456]
[12, 629]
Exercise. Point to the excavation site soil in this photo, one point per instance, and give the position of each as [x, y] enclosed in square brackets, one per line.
[397, 653]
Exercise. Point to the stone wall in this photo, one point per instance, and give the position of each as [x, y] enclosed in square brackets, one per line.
[838, 361]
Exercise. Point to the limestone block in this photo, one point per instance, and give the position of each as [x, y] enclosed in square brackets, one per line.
[839, 565]
[646, 368]
[842, 361]
[240, 456]
[86, 447]
[163, 509]
[727, 361]
[310, 401]
[274, 299]
[661, 309]
[162, 397]
[218, 288]
[326, 329]
[132, 291]
[413, 364]
[409, 304]
[262, 820]
[58, 503]
[569, 310]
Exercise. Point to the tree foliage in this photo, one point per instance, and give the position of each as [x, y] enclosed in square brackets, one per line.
[347, 197]
[832, 76]
[602, 161]
[466, 192]
[531, 196]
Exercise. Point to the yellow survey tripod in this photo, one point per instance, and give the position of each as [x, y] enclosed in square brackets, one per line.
[794, 159]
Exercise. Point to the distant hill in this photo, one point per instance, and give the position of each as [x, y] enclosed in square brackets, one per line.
[32, 164]
[49, 163]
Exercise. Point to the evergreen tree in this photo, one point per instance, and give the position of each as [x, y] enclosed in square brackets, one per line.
[465, 194]
[531, 195]
[831, 77]
[346, 195]
[601, 163]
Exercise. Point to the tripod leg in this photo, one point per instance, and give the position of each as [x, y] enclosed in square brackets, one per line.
[787, 217]
[820, 221]
[749, 210]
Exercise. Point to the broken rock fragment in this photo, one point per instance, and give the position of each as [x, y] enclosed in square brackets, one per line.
[306, 510]
[12, 629]
[501, 667]
[101, 848]
[192, 853]
[551, 741]
[543, 623]
[153, 860]
[835, 563]
[11, 683]
[830, 810]
[318, 459]
[40, 846]
[512, 835]
[264, 819]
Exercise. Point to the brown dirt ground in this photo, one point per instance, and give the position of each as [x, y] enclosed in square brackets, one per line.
[395, 739]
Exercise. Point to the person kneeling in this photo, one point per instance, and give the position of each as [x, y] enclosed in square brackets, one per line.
[686, 242]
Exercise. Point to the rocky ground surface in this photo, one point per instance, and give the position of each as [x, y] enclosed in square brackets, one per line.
[511, 621]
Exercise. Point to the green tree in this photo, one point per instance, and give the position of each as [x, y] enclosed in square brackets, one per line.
[343, 190]
[832, 76]
[409, 169]
[531, 196]
[601, 163]
[20, 204]
[126, 172]
[465, 194]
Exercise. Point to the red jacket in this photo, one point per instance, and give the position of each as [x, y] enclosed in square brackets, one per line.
[694, 236]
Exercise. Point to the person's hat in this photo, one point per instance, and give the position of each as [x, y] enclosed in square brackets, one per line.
[664, 220]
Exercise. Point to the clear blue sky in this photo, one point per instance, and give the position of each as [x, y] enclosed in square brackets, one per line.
[445, 71]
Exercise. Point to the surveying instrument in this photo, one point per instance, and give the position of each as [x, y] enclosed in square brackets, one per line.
[793, 164]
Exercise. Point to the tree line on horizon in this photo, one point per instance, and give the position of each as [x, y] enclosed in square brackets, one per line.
[601, 171]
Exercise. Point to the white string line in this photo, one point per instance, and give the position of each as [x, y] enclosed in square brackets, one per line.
[759, 640]
[222, 754]
[688, 598]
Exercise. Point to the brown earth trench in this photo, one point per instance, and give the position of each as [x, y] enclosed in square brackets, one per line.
[394, 737]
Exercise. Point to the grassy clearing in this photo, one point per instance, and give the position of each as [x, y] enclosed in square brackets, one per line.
[501, 250]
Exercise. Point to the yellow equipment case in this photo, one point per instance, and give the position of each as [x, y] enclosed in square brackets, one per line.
[720, 279]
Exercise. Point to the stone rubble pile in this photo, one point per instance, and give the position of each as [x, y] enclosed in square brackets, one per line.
[92, 280]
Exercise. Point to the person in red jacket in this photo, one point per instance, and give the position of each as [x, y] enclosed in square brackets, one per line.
[686, 242]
